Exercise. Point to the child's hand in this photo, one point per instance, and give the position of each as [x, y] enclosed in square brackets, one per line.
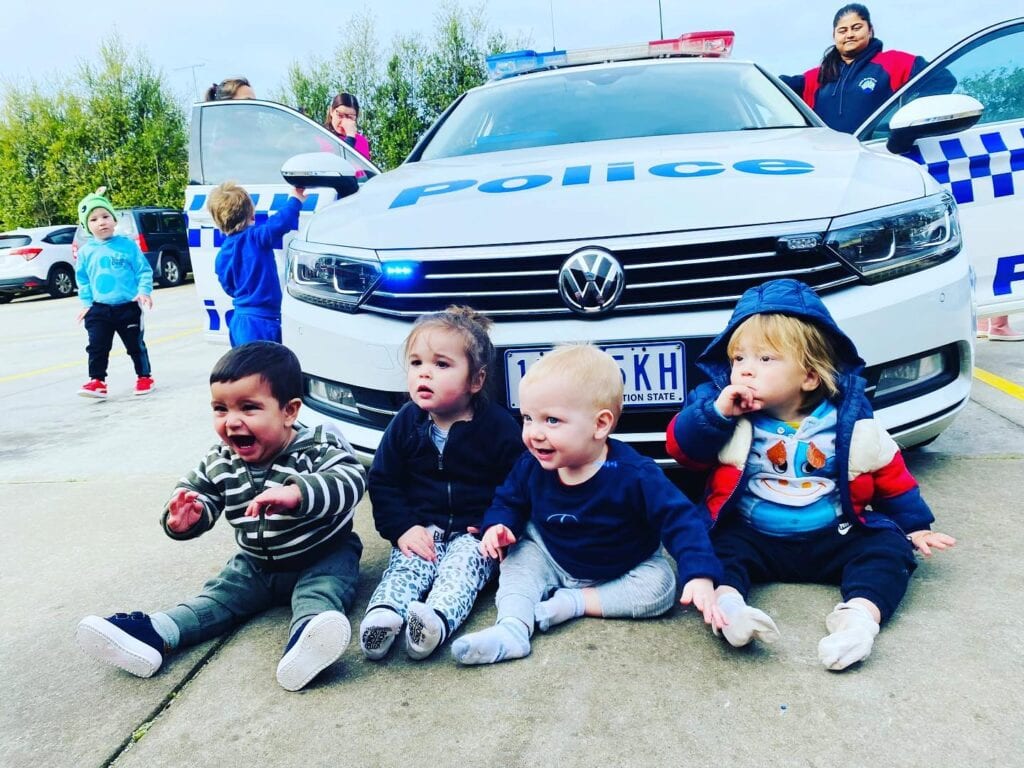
[736, 400]
[925, 541]
[701, 594]
[299, 192]
[495, 540]
[275, 500]
[418, 541]
[183, 510]
[144, 300]
[81, 314]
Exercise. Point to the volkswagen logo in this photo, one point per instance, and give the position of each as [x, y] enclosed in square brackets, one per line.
[591, 281]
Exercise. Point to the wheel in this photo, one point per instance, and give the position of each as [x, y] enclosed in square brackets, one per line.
[62, 282]
[171, 273]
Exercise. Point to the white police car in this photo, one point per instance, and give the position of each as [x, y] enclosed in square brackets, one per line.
[625, 197]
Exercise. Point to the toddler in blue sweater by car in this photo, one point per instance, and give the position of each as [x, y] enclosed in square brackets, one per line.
[245, 264]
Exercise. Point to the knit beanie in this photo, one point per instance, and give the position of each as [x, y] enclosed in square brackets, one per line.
[90, 203]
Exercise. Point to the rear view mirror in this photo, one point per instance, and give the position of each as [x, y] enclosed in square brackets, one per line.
[321, 169]
[931, 116]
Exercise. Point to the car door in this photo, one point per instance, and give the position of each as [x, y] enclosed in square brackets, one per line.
[247, 141]
[983, 166]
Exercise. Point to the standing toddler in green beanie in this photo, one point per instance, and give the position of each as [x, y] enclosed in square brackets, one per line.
[114, 284]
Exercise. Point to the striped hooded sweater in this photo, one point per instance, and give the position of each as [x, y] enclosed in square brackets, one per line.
[330, 478]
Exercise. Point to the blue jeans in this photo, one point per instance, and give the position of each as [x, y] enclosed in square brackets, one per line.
[246, 587]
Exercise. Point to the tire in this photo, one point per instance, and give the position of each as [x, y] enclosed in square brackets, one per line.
[62, 282]
[6, 298]
[171, 273]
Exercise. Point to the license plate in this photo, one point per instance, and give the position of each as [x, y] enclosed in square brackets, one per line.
[653, 373]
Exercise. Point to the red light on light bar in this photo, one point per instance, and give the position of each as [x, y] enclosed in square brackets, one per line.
[709, 44]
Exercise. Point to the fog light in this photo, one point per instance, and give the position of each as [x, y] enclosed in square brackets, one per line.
[335, 395]
[909, 373]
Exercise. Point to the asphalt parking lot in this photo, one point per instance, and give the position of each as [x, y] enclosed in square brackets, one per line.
[81, 487]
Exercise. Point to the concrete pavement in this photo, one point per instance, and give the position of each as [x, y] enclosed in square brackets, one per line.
[80, 492]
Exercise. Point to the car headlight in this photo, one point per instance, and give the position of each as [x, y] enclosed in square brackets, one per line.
[889, 242]
[333, 278]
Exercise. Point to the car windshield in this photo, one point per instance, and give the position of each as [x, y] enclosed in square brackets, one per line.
[599, 103]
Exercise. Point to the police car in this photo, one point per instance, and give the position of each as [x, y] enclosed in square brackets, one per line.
[625, 197]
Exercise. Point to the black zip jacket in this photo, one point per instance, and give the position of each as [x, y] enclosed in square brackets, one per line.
[412, 484]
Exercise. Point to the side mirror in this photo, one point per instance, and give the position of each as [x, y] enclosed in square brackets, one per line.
[321, 169]
[931, 116]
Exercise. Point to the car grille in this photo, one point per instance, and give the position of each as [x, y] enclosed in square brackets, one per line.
[662, 274]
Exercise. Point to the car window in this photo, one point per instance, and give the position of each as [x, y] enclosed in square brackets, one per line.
[150, 222]
[61, 236]
[14, 241]
[991, 69]
[595, 104]
[249, 143]
[173, 222]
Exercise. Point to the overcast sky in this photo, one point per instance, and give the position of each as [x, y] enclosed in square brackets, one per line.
[214, 39]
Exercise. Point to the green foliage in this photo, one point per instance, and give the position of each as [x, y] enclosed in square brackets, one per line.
[418, 81]
[114, 124]
[1000, 90]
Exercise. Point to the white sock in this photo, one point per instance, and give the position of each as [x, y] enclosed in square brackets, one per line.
[562, 606]
[745, 622]
[378, 631]
[167, 629]
[424, 631]
[853, 631]
[508, 639]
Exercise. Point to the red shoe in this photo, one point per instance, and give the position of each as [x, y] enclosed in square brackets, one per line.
[94, 388]
[144, 385]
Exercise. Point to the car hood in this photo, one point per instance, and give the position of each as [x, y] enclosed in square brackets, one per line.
[614, 188]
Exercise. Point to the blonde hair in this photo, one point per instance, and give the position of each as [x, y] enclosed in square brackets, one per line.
[588, 370]
[231, 207]
[800, 339]
[472, 326]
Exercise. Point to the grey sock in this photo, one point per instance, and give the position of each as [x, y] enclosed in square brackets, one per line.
[746, 623]
[508, 639]
[167, 629]
[378, 631]
[562, 606]
[424, 631]
[853, 632]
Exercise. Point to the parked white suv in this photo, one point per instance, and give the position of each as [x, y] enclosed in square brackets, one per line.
[628, 203]
[37, 260]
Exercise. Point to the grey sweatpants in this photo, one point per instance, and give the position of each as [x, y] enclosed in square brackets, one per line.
[244, 588]
[529, 575]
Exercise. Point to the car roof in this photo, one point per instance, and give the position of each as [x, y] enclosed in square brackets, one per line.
[41, 231]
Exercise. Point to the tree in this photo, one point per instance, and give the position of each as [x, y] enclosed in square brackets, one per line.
[114, 124]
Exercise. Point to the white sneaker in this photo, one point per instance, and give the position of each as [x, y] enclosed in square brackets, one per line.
[319, 643]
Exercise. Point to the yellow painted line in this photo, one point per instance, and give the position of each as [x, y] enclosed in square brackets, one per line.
[1003, 385]
[114, 353]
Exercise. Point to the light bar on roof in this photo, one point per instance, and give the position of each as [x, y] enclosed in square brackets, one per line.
[707, 44]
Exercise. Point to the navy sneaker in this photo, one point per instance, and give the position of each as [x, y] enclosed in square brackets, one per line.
[313, 646]
[126, 640]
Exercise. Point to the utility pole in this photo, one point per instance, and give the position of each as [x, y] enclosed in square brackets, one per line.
[551, 9]
[661, 24]
[195, 83]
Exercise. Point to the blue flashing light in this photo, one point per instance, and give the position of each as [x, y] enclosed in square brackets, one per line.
[400, 270]
[507, 64]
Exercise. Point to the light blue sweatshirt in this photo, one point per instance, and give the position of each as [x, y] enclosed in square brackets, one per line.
[112, 271]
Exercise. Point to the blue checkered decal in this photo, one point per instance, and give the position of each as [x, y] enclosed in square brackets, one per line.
[976, 167]
[264, 205]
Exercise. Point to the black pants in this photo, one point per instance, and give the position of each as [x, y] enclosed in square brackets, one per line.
[102, 321]
[871, 563]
